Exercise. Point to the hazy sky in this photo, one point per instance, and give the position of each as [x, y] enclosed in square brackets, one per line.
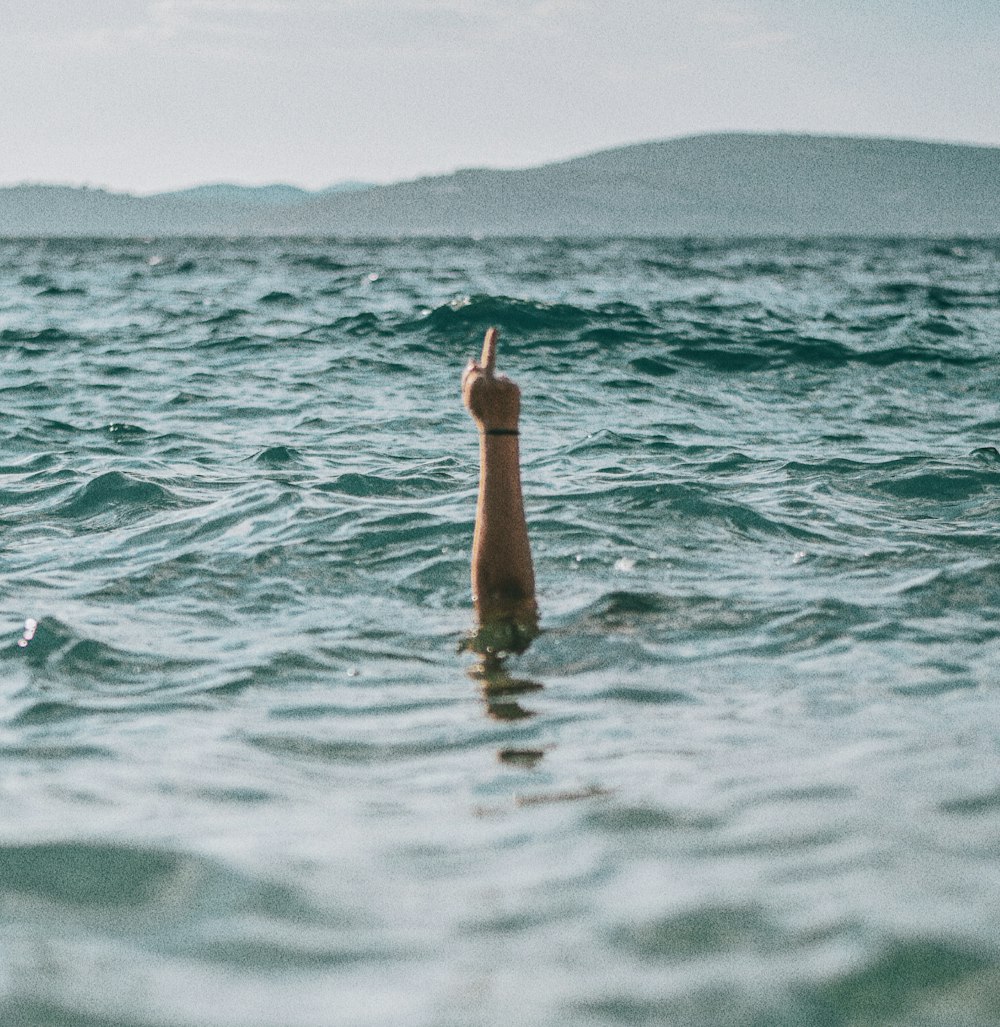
[153, 94]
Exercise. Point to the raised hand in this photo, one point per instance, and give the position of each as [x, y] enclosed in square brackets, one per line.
[503, 579]
[493, 399]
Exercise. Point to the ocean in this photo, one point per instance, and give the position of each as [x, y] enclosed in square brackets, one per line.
[749, 772]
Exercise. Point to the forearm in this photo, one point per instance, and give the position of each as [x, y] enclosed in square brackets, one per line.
[503, 579]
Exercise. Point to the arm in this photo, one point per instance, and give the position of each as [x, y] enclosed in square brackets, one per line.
[503, 579]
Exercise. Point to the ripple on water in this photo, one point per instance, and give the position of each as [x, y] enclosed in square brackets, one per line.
[155, 887]
[908, 980]
[904, 981]
[953, 485]
[64, 655]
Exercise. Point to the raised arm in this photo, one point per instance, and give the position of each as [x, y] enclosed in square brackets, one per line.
[503, 579]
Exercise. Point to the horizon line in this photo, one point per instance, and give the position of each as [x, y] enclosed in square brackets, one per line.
[370, 184]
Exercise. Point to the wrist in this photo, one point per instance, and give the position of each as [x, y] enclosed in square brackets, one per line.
[499, 431]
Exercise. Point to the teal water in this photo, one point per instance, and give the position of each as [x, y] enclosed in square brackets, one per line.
[748, 773]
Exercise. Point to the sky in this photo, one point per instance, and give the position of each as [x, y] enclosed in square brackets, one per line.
[147, 95]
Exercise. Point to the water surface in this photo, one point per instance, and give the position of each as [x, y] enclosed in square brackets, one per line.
[747, 774]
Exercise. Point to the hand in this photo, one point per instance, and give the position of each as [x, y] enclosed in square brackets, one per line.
[493, 399]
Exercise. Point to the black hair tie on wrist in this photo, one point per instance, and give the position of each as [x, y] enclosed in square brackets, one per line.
[500, 431]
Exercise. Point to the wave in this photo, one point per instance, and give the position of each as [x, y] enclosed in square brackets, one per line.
[912, 975]
[652, 367]
[83, 662]
[52, 291]
[973, 805]
[114, 496]
[411, 483]
[661, 339]
[973, 587]
[365, 324]
[106, 877]
[279, 297]
[513, 316]
[37, 337]
[899, 980]
[767, 352]
[278, 457]
[948, 298]
[624, 632]
[950, 485]
[318, 262]
[228, 316]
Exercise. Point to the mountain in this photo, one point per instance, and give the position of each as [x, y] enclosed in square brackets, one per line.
[728, 184]
[226, 193]
[272, 195]
[219, 209]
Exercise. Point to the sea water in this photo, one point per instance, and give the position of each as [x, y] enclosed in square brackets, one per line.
[749, 773]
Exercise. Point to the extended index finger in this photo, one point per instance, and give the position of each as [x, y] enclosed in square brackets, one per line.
[488, 360]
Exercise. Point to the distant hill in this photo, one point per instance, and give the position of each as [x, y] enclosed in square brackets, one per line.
[273, 195]
[728, 184]
[226, 193]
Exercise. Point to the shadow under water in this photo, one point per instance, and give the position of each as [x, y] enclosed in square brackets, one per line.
[494, 644]
[500, 690]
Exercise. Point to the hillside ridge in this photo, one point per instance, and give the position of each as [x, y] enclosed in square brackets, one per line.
[714, 184]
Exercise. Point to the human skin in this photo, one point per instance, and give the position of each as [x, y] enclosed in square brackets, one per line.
[503, 578]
